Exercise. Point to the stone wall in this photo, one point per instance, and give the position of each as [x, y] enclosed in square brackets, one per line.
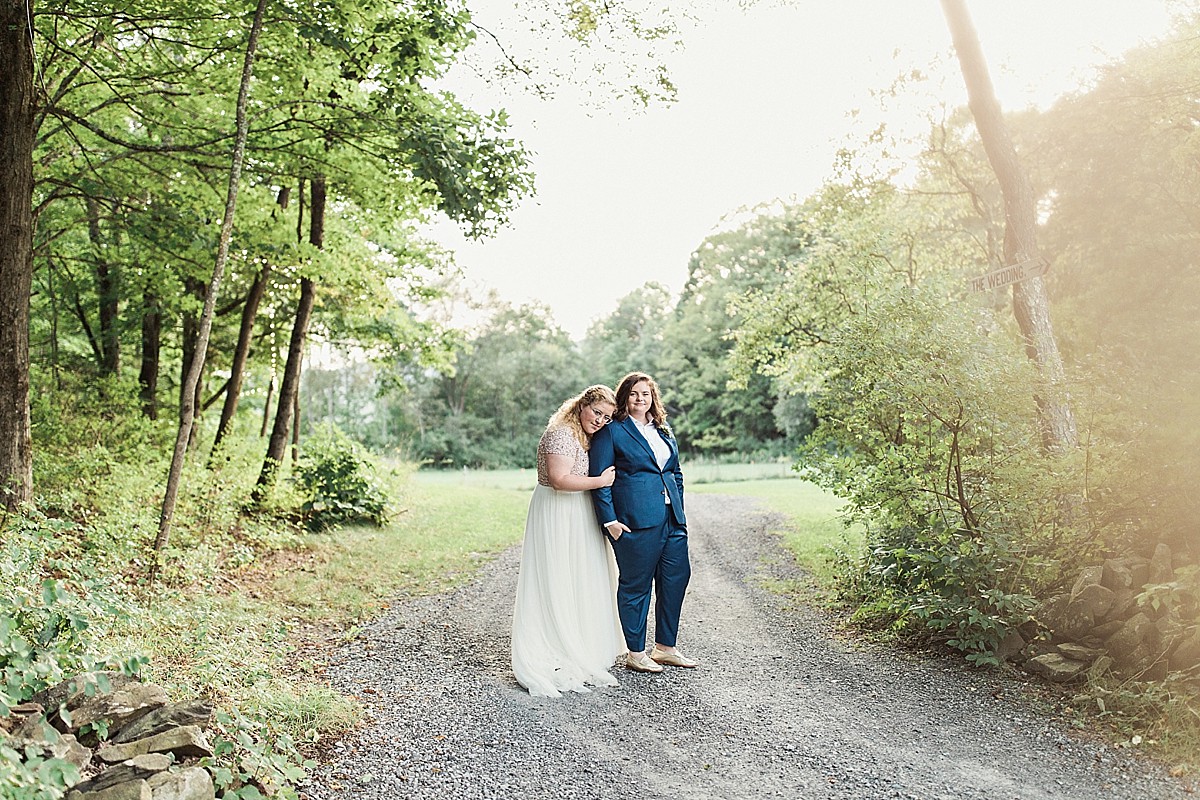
[1105, 622]
[149, 750]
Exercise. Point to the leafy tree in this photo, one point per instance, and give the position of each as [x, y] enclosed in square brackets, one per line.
[630, 338]
[508, 376]
[711, 416]
[1031, 306]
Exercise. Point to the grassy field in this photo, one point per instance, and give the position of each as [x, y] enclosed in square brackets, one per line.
[814, 531]
[524, 479]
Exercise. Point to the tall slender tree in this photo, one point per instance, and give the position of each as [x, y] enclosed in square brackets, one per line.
[1031, 305]
[188, 403]
[289, 384]
[17, 102]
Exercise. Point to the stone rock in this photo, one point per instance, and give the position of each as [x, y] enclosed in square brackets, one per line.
[73, 690]
[129, 790]
[1101, 632]
[174, 715]
[138, 768]
[1056, 667]
[1117, 575]
[1124, 603]
[1161, 570]
[1065, 617]
[1092, 600]
[1012, 644]
[1124, 645]
[185, 742]
[1077, 652]
[118, 707]
[192, 783]
[1186, 652]
[35, 732]
[1100, 666]
[69, 749]
[1139, 568]
[1088, 576]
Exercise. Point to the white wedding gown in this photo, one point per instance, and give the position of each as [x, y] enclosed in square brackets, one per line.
[565, 632]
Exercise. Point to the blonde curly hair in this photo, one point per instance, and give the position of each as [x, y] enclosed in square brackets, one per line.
[568, 413]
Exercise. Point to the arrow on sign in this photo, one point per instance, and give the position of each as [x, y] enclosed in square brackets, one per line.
[1010, 274]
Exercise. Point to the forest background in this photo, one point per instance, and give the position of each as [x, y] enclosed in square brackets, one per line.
[840, 332]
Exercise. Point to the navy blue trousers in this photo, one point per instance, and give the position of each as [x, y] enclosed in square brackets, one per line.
[652, 557]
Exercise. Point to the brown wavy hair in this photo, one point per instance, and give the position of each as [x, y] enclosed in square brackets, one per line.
[568, 413]
[657, 413]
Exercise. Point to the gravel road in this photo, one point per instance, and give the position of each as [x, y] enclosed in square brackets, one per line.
[781, 707]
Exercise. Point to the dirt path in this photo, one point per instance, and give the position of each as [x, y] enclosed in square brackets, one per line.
[780, 707]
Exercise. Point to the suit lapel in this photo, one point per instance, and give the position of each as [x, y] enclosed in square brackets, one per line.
[632, 431]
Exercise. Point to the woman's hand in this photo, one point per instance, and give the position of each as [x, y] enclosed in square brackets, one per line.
[606, 478]
[616, 529]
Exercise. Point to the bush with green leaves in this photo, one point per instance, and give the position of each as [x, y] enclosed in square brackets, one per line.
[339, 484]
[928, 429]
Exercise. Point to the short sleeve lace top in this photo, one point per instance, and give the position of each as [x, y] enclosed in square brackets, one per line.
[560, 441]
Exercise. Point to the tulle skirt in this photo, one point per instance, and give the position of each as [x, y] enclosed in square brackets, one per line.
[566, 634]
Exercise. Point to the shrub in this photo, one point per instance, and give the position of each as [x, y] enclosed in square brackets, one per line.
[928, 429]
[339, 485]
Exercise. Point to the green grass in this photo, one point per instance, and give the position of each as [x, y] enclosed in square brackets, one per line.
[695, 473]
[441, 536]
[815, 532]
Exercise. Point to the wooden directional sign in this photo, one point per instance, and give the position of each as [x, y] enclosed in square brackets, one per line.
[1010, 274]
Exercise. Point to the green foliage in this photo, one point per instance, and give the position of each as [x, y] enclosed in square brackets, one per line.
[489, 407]
[338, 484]
[927, 429]
[52, 618]
[48, 608]
[250, 762]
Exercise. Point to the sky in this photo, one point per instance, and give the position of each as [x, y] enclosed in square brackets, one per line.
[766, 97]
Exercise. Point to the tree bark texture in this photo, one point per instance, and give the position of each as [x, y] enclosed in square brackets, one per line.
[16, 248]
[289, 384]
[151, 344]
[266, 417]
[107, 290]
[188, 406]
[241, 354]
[190, 338]
[1031, 305]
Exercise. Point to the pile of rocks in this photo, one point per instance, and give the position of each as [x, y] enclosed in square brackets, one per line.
[1100, 625]
[149, 748]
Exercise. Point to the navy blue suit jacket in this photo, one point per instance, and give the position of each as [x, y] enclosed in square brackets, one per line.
[638, 495]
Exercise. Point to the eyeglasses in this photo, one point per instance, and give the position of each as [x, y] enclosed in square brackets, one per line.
[600, 415]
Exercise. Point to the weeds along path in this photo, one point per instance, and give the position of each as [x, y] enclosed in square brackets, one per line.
[780, 707]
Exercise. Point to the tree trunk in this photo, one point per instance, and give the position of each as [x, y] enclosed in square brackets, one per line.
[266, 419]
[106, 289]
[16, 248]
[193, 287]
[240, 355]
[1031, 306]
[151, 342]
[296, 428]
[289, 385]
[188, 407]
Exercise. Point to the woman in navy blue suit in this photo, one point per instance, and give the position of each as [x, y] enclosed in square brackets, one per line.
[642, 515]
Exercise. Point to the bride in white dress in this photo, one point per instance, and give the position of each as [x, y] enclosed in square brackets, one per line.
[565, 632]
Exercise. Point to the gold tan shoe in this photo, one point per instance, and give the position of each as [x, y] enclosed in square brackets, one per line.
[639, 663]
[675, 659]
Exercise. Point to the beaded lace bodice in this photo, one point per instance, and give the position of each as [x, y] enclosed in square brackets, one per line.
[560, 441]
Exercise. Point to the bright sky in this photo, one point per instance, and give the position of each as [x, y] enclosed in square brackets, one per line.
[765, 96]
